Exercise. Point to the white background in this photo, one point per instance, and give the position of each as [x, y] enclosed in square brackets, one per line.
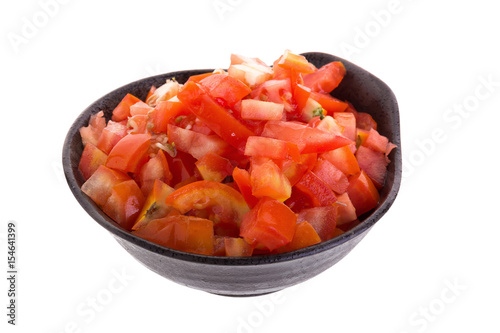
[431, 263]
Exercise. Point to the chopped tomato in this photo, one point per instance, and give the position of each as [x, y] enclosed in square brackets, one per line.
[348, 121]
[129, 152]
[272, 148]
[237, 247]
[166, 113]
[363, 194]
[214, 167]
[224, 201]
[374, 163]
[194, 143]
[98, 187]
[316, 189]
[269, 225]
[122, 110]
[181, 166]
[325, 79]
[125, 203]
[183, 233]
[213, 115]
[154, 206]
[276, 91]
[92, 158]
[346, 210]
[243, 181]
[332, 176]
[322, 219]
[268, 180]
[304, 236]
[92, 132]
[140, 108]
[225, 88]
[376, 141]
[365, 121]
[111, 134]
[343, 159]
[329, 103]
[155, 169]
[260, 110]
[296, 62]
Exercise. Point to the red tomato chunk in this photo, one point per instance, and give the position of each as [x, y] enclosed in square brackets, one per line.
[253, 161]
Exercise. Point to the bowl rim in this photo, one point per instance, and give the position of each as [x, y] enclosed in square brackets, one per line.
[368, 220]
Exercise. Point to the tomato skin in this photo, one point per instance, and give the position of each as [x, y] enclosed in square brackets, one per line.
[129, 152]
[376, 141]
[325, 79]
[363, 194]
[92, 157]
[214, 116]
[98, 187]
[165, 113]
[122, 110]
[226, 202]
[346, 210]
[316, 189]
[348, 121]
[269, 225]
[329, 103]
[125, 203]
[226, 88]
[332, 176]
[183, 233]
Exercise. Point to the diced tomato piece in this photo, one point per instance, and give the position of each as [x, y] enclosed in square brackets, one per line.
[276, 91]
[325, 79]
[311, 109]
[197, 78]
[226, 202]
[322, 219]
[181, 166]
[362, 135]
[348, 121]
[225, 88]
[237, 59]
[374, 163]
[129, 152]
[304, 236]
[154, 206]
[296, 62]
[301, 94]
[242, 179]
[270, 224]
[150, 92]
[363, 194]
[271, 148]
[183, 233]
[163, 93]
[122, 110]
[125, 203]
[329, 103]
[343, 159]
[237, 247]
[330, 125]
[195, 143]
[98, 187]
[268, 180]
[308, 139]
[365, 121]
[260, 110]
[346, 210]
[316, 189]
[214, 116]
[92, 158]
[92, 132]
[214, 167]
[111, 134]
[251, 73]
[165, 113]
[295, 170]
[140, 108]
[332, 176]
[376, 141]
[138, 124]
[156, 168]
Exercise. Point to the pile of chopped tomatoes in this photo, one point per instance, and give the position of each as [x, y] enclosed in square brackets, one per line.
[252, 161]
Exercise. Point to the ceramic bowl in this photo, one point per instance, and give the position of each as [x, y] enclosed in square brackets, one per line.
[248, 276]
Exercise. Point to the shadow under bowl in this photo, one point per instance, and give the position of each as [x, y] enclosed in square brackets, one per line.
[247, 276]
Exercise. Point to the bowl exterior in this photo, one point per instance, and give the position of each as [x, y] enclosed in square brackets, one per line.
[254, 275]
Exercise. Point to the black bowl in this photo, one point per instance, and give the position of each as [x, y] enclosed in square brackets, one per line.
[248, 276]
